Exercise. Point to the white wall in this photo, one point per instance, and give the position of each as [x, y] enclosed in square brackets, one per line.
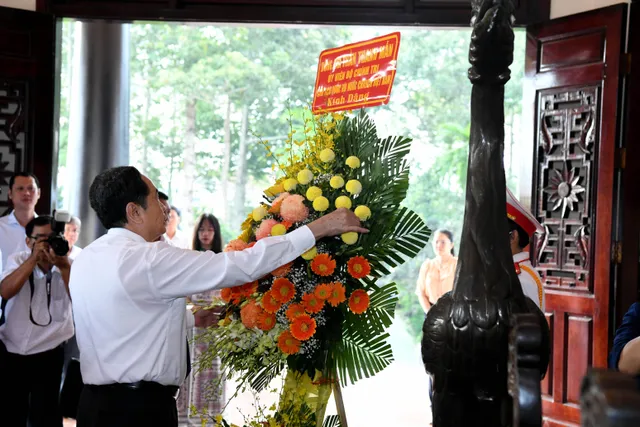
[570, 7]
[19, 4]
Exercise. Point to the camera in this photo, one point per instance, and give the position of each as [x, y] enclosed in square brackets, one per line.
[56, 241]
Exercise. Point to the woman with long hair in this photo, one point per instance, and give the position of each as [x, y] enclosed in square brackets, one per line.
[437, 274]
[206, 392]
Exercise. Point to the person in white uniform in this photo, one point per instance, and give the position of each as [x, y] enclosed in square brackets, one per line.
[24, 193]
[38, 321]
[522, 226]
[128, 292]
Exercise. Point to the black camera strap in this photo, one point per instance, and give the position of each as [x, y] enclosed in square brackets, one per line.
[48, 288]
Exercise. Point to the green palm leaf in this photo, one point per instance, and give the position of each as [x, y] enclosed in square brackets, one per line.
[364, 350]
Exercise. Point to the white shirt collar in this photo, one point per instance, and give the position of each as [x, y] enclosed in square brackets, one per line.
[11, 218]
[120, 231]
[522, 256]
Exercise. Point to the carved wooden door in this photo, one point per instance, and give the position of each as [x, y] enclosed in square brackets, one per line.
[573, 85]
[27, 46]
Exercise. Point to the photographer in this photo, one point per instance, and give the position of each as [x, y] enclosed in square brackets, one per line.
[38, 321]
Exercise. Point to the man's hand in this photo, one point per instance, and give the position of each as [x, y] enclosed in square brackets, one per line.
[337, 222]
[40, 252]
[62, 262]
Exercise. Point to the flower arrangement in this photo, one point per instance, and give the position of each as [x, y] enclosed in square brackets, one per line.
[322, 316]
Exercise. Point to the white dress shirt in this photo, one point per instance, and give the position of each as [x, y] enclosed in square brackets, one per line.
[75, 251]
[129, 299]
[180, 240]
[12, 236]
[19, 334]
[529, 279]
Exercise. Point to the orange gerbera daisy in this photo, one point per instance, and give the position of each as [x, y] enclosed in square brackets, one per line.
[311, 303]
[250, 313]
[338, 295]
[282, 271]
[288, 344]
[266, 321]
[303, 327]
[323, 265]
[294, 311]
[269, 303]
[283, 290]
[237, 295]
[225, 294]
[358, 267]
[359, 301]
[287, 224]
[323, 291]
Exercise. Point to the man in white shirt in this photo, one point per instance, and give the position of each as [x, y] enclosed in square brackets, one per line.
[38, 321]
[128, 293]
[523, 225]
[24, 193]
[173, 236]
[71, 234]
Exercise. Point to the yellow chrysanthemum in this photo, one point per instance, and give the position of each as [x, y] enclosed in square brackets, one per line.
[336, 182]
[354, 187]
[363, 212]
[313, 193]
[349, 238]
[259, 213]
[343, 202]
[310, 254]
[290, 184]
[278, 230]
[353, 162]
[327, 155]
[321, 204]
[305, 176]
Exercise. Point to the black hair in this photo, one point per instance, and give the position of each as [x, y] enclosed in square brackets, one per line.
[38, 221]
[173, 208]
[112, 190]
[523, 237]
[216, 245]
[12, 180]
[449, 235]
[163, 196]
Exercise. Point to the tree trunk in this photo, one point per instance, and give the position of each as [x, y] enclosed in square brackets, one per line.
[226, 162]
[241, 170]
[189, 155]
[145, 125]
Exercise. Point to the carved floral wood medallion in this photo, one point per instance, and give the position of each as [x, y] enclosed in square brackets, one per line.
[566, 147]
[13, 99]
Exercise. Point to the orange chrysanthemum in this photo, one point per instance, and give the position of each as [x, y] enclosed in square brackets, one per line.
[303, 327]
[323, 291]
[358, 267]
[323, 265]
[282, 271]
[269, 303]
[294, 311]
[283, 290]
[249, 289]
[359, 301]
[287, 224]
[237, 295]
[266, 321]
[250, 313]
[311, 303]
[288, 344]
[338, 294]
[225, 294]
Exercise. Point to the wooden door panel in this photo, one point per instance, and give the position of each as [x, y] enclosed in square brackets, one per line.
[26, 99]
[572, 75]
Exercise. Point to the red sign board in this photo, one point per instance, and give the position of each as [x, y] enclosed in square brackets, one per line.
[357, 75]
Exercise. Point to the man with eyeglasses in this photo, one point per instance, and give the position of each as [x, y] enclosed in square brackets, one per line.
[37, 321]
[24, 193]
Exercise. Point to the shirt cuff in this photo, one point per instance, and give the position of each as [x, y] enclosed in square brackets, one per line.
[302, 239]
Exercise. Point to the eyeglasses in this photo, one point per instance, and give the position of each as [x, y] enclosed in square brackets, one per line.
[40, 236]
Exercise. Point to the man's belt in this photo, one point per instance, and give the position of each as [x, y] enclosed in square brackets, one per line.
[172, 390]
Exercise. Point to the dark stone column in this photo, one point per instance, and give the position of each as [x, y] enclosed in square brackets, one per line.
[99, 114]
